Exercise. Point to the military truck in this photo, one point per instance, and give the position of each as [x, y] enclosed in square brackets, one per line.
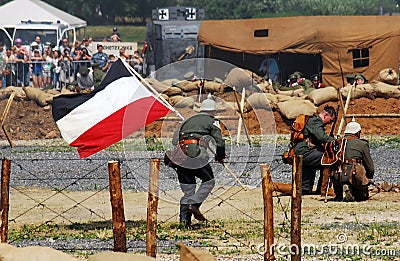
[172, 36]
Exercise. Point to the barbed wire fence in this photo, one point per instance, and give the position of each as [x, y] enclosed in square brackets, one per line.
[61, 176]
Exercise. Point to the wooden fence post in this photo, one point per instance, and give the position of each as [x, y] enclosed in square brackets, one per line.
[117, 206]
[152, 206]
[268, 212]
[295, 234]
[5, 203]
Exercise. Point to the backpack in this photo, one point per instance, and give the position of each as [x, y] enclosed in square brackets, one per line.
[296, 136]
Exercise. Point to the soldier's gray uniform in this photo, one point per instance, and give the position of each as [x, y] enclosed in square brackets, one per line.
[357, 168]
[196, 132]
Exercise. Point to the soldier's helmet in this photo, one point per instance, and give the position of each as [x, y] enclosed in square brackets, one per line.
[208, 104]
[352, 127]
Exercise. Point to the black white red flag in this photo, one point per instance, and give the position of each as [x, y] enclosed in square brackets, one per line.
[120, 106]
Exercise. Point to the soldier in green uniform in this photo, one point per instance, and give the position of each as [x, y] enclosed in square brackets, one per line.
[195, 134]
[356, 167]
[312, 147]
[296, 81]
[98, 75]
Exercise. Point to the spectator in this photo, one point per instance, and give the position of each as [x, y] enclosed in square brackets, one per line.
[66, 75]
[37, 69]
[101, 58]
[122, 54]
[112, 60]
[87, 45]
[48, 58]
[39, 44]
[9, 72]
[2, 65]
[76, 55]
[64, 45]
[56, 66]
[137, 62]
[115, 36]
[22, 60]
[85, 57]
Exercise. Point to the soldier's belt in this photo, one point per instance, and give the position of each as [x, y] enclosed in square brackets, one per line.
[351, 161]
[187, 142]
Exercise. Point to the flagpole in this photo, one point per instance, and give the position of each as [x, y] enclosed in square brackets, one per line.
[152, 89]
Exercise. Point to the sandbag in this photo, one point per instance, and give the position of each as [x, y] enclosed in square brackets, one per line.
[172, 91]
[32, 253]
[185, 102]
[266, 87]
[64, 90]
[261, 101]
[323, 95]
[238, 78]
[188, 86]
[19, 93]
[211, 86]
[389, 76]
[175, 99]
[158, 86]
[292, 93]
[283, 98]
[291, 109]
[362, 90]
[384, 90]
[190, 254]
[117, 256]
[44, 99]
[52, 91]
[32, 93]
[171, 82]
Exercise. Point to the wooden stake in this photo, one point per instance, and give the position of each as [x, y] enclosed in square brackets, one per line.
[3, 118]
[152, 206]
[268, 212]
[343, 121]
[241, 113]
[117, 206]
[5, 204]
[295, 234]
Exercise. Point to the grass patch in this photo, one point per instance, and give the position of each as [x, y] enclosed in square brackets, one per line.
[128, 33]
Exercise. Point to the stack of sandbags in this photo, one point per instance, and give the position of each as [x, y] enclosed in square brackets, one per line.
[19, 93]
[389, 76]
[384, 90]
[179, 101]
[323, 95]
[40, 97]
[291, 109]
[32, 253]
[283, 98]
[115, 256]
[359, 91]
[163, 88]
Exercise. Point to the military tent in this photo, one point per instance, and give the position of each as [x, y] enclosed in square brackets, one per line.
[14, 12]
[311, 44]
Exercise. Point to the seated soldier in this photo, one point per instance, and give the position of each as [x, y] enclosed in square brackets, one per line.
[356, 167]
[316, 83]
[296, 81]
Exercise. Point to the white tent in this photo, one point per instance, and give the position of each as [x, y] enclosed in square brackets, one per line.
[14, 12]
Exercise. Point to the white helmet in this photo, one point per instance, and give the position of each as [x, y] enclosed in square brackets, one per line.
[208, 104]
[352, 127]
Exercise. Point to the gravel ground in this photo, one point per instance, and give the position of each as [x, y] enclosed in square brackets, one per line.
[49, 167]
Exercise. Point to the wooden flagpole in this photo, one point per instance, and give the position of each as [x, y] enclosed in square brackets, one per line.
[152, 89]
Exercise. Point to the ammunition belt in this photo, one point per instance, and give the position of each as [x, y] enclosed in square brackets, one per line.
[351, 161]
[187, 142]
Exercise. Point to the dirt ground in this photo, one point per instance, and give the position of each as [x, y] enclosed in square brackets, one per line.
[27, 121]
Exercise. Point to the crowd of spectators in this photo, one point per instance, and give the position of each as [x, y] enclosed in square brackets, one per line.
[45, 66]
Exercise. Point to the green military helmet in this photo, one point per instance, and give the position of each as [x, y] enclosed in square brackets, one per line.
[298, 74]
[350, 76]
[293, 76]
[359, 76]
[208, 104]
[314, 77]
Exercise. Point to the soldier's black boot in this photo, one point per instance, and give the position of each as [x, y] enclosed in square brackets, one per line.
[185, 216]
[338, 188]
